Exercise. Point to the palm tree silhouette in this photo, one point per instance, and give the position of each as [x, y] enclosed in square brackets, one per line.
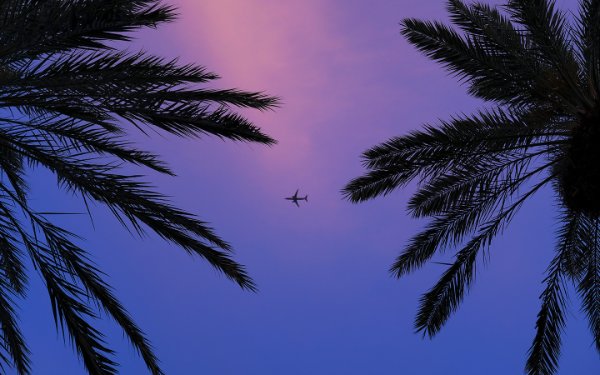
[541, 74]
[66, 97]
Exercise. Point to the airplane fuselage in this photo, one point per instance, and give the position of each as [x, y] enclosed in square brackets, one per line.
[296, 199]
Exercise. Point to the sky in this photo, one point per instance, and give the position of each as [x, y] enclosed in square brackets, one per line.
[326, 303]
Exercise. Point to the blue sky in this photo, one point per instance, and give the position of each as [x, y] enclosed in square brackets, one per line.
[326, 303]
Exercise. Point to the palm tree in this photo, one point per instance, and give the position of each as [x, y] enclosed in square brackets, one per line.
[66, 97]
[540, 73]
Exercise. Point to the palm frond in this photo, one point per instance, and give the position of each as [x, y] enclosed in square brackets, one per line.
[499, 41]
[77, 265]
[72, 314]
[467, 185]
[461, 142]
[12, 338]
[11, 255]
[67, 305]
[131, 201]
[441, 301]
[31, 28]
[12, 284]
[549, 32]
[589, 284]
[588, 32]
[462, 216]
[145, 90]
[467, 58]
[545, 349]
[545, 26]
[58, 258]
[76, 136]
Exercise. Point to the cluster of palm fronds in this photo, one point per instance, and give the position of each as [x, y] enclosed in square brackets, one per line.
[542, 73]
[66, 97]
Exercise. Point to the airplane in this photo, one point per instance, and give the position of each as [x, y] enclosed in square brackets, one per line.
[295, 198]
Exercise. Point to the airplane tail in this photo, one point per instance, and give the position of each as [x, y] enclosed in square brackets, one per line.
[306, 197]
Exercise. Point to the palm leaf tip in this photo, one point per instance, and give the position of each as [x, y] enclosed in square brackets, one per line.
[247, 283]
[260, 101]
[350, 191]
[373, 184]
[232, 270]
[239, 274]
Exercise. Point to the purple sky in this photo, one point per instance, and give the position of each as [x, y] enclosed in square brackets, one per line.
[326, 304]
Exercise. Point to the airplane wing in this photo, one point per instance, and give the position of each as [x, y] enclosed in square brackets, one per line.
[297, 204]
[296, 193]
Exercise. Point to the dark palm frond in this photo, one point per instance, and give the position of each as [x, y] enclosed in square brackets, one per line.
[544, 25]
[62, 260]
[12, 267]
[545, 349]
[11, 263]
[136, 204]
[67, 305]
[68, 100]
[442, 300]
[589, 282]
[499, 41]
[499, 75]
[467, 59]
[192, 120]
[78, 136]
[30, 28]
[493, 178]
[11, 252]
[588, 31]
[575, 237]
[549, 33]
[12, 338]
[462, 142]
[143, 89]
[77, 265]
[72, 314]
[13, 168]
[12, 284]
[461, 217]
[491, 28]
[82, 71]
[541, 75]
[491, 132]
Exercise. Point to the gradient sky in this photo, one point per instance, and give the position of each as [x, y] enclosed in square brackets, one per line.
[327, 304]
